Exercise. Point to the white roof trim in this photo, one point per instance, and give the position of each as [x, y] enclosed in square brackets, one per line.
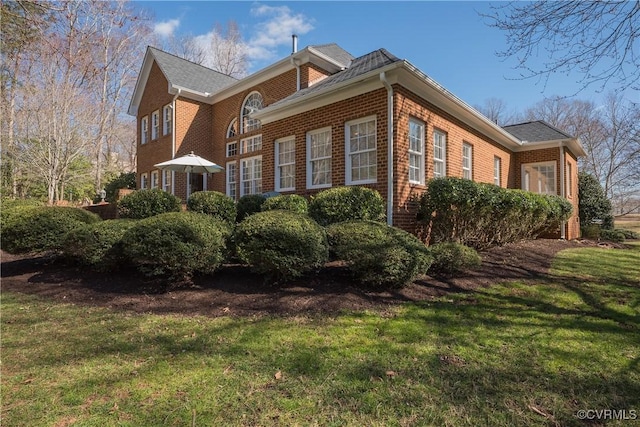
[141, 82]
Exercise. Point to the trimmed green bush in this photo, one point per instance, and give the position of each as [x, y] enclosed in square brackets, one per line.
[628, 234]
[248, 205]
[176, 244]
[341, 204]
[42, 229]
[147, 203]
[286, 202]
[451, 258]
[213, 203]
[616, 236]
[281, 244]
[377, 254]
[98, 245]
[483, 215]
[15, 207]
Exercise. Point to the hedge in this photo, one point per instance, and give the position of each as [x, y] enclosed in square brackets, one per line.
[98, 245]
[281, 244]
[286, 202]
[176, 244]
[213, 203]
[147, 203]
[341, 204]
[248, 205]
[451, 258]
[42, 229]
[377, 254]
[483, 215]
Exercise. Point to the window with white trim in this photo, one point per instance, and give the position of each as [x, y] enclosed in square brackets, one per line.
[166, 180]
[285, 157]
[232, 180]
[439, 154]
[467, 160]
[232, 130]
[249, 145]
[319, 158]
[167, 119]
[361, 151]
[154, 179]
[539, 177]
[253, 102]
[232, 149]
[416, 151]
[144, 130]
[144, 181]
[155, 125]
[251, 175]
[497, 171]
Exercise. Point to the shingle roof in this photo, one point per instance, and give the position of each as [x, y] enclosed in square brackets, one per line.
[190, 75]
[335, 52]
[359, 66]
[536, 131]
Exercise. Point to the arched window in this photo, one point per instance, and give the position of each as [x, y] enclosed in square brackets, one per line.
[252, 103]
[232, 130]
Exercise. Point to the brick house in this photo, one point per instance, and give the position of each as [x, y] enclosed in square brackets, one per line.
[322, 118]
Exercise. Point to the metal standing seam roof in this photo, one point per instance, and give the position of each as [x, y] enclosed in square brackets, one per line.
[536, 131]
[187, 74]
[359, 66]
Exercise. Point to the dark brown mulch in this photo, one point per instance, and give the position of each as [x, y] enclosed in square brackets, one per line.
[235, 291]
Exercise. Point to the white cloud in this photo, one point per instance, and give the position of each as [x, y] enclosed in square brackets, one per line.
[275, 31]
[166, 28]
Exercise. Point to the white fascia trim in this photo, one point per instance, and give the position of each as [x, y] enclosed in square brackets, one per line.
[573, 144]
[338, 92]
[141, 82]
[185, 92]
[326, 59]
[423, 85]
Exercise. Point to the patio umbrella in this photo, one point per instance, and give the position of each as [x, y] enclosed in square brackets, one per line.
[190, 164]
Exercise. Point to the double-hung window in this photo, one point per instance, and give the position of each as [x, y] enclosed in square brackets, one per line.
[497, 171]
[232, 148]
[439, 154]
[361, 151]
[319, 158]
[232, 180]
[285, 157]
[155, 124]
[166, 180]
[143, 181]
[251, 175]
[467, 160]
[167, 119]
[154, 179]
[144, 130]
[416, 151]
[569, 180]
[539, 177]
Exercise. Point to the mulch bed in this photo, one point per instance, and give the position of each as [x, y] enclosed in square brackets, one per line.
[235, 291]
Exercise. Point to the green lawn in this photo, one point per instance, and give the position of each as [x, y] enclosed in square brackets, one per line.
[509, 355]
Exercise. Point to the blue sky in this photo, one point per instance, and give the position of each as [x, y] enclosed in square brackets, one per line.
[447, 40]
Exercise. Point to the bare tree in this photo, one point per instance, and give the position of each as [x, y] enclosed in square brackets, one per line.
[496, 110]
[228, 51]
[596, 38]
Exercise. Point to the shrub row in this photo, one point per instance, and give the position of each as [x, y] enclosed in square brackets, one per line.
[482, 215]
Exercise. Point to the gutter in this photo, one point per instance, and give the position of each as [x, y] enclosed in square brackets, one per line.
[390, 165]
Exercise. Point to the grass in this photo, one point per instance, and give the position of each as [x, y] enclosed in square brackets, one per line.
[509, 355]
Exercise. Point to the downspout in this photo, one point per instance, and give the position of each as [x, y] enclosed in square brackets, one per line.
[383, 79]
[294, 61]
[173, 139]
[563, 224]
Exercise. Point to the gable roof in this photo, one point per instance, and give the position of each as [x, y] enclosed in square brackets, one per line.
[335, 52]
[181, 74]
[187, 74]
[359, 66]
[536, 131]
